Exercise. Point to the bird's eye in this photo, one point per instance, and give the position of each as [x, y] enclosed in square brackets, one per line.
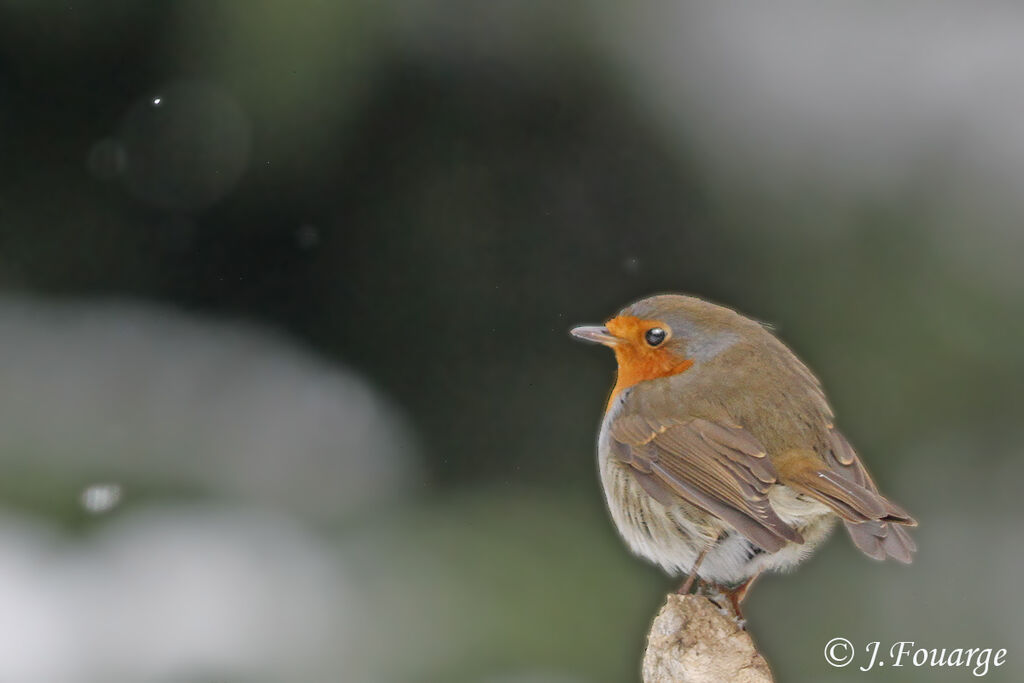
[655, 336]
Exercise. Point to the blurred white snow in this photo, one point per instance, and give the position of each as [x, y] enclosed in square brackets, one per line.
[171, 594]
[243, 587]
[100, 498]
[143, 395]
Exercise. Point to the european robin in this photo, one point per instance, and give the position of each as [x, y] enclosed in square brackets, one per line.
[718, 453]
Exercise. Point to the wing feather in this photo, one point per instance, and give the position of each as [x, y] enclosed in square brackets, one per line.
[721, 469]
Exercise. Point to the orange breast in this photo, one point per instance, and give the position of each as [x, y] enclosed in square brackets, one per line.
[635, 371]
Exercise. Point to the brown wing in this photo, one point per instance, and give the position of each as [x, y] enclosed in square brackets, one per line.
[721, 469]
[876, 524]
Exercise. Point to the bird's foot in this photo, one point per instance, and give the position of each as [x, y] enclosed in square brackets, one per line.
[727, 600]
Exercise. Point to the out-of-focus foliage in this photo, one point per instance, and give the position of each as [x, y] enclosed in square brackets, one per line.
[286, 390]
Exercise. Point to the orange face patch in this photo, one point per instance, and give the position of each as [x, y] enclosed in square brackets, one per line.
[638, 361]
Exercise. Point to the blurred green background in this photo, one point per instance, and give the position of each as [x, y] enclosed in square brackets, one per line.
[287, 392]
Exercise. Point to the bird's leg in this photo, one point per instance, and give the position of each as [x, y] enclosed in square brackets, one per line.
[737, 594]
[688, 584]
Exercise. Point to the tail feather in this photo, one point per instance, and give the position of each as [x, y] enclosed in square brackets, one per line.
[876, 524]
[878, 539]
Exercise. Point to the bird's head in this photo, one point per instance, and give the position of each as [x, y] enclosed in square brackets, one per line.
[665, 335]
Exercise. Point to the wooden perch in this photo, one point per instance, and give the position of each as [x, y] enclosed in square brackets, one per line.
[693, 641]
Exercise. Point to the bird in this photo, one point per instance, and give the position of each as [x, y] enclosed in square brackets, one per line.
[718, 451]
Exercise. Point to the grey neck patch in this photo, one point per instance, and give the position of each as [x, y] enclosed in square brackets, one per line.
[706, 347]
[702, 345]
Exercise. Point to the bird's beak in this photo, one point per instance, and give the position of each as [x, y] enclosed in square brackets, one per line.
[595, 333]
